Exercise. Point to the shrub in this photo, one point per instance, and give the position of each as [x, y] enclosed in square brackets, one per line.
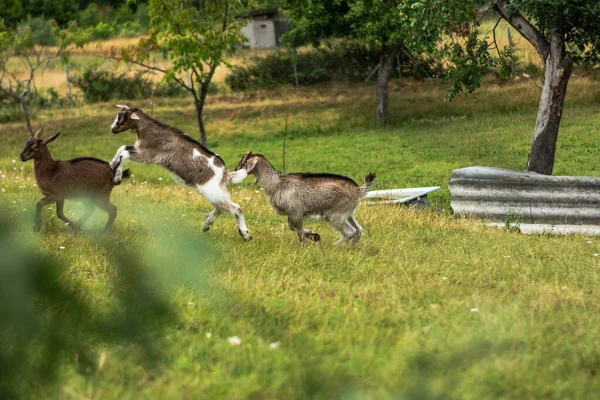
[10, 109]
[41, 30]
[348, 61]
[102, 85]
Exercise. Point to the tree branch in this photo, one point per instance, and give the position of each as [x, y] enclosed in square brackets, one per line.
[494, 36]
[524, 27]
[154, 68]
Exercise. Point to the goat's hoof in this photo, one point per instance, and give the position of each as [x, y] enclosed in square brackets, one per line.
[205, 228]
[246, 235]
[315, 237]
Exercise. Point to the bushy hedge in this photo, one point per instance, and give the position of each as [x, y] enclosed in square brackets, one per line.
[102, 85]
[10, 108]
[341, 61]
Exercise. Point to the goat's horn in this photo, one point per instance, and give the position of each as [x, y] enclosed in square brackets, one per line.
[120, 106]
[38, 133]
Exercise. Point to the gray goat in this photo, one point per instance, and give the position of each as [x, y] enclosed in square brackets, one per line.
[85, 177]
[158, 143]
[302, 195]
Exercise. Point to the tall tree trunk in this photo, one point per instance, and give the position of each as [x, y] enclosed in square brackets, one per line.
[559, 66]
[386, 64]
[199, 103]
[23, 104]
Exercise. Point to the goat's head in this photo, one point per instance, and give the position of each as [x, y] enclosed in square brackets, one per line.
[126, 119]
[248, 162]
[35, 144]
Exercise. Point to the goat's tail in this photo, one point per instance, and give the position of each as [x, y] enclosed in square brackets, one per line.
[237, 177]
[126, 174]
[369, 179]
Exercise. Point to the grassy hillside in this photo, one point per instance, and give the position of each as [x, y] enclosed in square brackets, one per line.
[426, 306]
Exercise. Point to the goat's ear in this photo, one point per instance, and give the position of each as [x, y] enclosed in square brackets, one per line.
[38, 133]
[122, 107]
[134, 116]
[51, 139]
[251, 164]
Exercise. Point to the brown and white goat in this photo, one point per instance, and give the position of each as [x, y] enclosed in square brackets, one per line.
[83, 177]
[304, 195]
[161, 144]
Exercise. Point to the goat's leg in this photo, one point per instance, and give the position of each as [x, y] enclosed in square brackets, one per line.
[314, 236]
[123, 154]
[60, 205]
[295, 224]
[345, 228]
[357, 228]
[237, 213]
[211, 218]
[111, 209]
[38, 212]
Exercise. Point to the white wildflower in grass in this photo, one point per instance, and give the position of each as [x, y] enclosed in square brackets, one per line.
[133, 220]
[160, 179]
[208, 335]
[234, 341]
[3, 190]
[14, 161]
[190, 303]
[183, 215]
[506, 256]
[62, 247]
[595, 254]
[588, 241]
[474, 309]
[273, 346]
[256, 191]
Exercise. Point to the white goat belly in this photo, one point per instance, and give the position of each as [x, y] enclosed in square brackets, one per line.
[212, 189]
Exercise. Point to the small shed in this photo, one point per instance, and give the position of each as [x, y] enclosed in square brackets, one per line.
[264, 28]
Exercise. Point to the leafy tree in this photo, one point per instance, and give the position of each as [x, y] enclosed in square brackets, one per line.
[17, 84]
[563, 32]
[392, 26]
[198, 35]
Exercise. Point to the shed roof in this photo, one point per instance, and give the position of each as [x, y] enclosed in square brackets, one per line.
[260, 13]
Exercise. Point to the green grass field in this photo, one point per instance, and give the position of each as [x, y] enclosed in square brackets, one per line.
[426, 306]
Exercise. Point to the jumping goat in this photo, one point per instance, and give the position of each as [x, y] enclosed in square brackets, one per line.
[302, 195]
[83, 177]
[158, 143]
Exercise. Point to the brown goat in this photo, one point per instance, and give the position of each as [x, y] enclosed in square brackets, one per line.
[304, 195]
[84, 177]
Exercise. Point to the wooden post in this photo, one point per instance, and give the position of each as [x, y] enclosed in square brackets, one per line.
[153, 87]
[69, 85]
[295, 67]
[284, 137]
